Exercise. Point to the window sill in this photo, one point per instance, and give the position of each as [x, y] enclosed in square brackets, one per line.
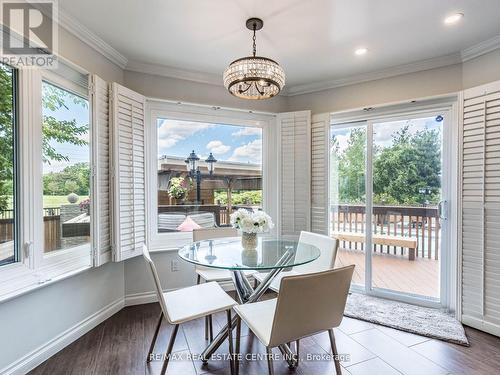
[18, 279]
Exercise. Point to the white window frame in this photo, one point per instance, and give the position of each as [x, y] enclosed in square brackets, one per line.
[155, 109]
[82, 251]
[34, 269]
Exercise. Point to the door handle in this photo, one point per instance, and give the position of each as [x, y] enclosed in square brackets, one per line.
[443, 210]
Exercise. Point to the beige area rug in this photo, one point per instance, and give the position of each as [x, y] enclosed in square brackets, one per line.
[422, 321]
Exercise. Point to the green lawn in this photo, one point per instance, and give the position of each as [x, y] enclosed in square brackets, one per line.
[53, 201]
[58, 200]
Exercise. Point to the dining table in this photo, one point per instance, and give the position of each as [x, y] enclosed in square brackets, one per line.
[267, 254]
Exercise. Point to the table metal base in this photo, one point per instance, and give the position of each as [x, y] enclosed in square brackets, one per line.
[247, 294]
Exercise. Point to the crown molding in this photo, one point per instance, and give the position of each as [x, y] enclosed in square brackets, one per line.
[168, 71]
[394, 71]
[76, 28]
[481, 48]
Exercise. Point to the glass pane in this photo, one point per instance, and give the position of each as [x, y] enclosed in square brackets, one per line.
[189, 194]
[66, 170]
[7, 180]
[406, 193]
[348, 196]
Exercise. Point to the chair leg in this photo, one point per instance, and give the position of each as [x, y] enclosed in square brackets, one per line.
[230, 339]
[153, 342]
[211, 328]
[338, 369]
[297, 350]
[169, 349]
[237, 349]
[270, 366]
[198, 281]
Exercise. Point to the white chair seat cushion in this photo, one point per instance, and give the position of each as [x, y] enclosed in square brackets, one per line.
[259, 318]
[275, 284]
[216, 274]
[196, 301]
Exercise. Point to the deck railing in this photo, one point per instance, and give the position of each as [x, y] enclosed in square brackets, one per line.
[51, 224]
[421, 223]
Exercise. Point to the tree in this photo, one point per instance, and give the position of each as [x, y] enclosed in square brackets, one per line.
[351, 168]
[410, 163]
[6, 136]
[70, 186]
[53, 130]
[54, 183]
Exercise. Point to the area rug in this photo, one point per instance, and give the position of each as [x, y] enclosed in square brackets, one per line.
[422, 321]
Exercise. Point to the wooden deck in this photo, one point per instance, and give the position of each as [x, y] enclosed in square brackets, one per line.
[395, 272]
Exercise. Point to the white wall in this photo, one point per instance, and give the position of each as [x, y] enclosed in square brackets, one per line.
[138, 277]
[394, 89]
[481, 70]
[32, 320]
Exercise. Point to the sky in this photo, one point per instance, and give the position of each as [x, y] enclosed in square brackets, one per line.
[226, 142]
[382, 132]
[76, 154]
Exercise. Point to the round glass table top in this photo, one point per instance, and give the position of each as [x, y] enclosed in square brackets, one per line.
[228, 253]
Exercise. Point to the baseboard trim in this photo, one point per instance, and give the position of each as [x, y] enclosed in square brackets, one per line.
[141, 298]
[480, 324]
[28, 362]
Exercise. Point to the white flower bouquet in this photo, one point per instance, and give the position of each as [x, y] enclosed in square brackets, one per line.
[251, 222]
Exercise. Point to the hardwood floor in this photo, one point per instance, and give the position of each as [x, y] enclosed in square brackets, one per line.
[119, 346]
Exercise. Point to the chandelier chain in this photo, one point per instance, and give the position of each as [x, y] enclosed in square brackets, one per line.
[254, 39]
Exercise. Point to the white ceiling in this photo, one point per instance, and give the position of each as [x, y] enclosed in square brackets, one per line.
[314, 40]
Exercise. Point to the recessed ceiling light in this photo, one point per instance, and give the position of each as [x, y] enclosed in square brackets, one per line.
[361, 51]
[454, 18]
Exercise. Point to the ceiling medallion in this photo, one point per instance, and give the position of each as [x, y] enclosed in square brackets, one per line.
[254, 77]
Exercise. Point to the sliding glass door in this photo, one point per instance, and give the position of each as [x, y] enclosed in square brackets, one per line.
[387, 200]
[348, 194]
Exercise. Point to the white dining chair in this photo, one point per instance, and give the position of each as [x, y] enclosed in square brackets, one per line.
[306, 305]
[208, 274]
[186, 304]
[328, 247]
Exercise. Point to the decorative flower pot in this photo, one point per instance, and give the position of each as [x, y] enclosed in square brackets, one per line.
[249, 241]
[249, 257]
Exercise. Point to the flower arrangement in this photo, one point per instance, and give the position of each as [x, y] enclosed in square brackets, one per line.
[179, 187]
[251, 222]
[85, 206]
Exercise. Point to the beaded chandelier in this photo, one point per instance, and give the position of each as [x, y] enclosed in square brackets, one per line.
[254, 77]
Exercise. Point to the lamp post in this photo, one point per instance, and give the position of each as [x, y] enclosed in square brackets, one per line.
[425, 192]
[194, 170]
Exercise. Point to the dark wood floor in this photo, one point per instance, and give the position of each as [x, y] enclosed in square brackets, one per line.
[119, 346]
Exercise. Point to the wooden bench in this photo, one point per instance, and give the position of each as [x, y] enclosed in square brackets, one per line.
[381, 239]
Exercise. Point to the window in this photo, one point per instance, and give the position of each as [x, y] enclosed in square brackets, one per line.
[66, 169]
[206, 170]
[8, 169]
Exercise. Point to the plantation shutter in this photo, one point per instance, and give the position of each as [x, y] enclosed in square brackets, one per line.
[319, 173]
[480, 212]
[101, 194]
[294, 172]
[129, 206]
